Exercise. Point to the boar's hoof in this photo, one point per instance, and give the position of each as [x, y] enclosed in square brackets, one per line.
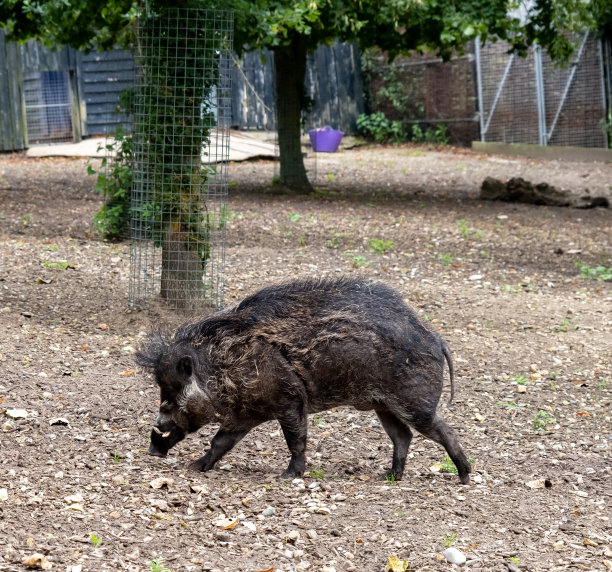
[200, 465]
[291, 474]
[465, 479]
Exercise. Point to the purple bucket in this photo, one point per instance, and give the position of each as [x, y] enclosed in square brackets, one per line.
[325, 140]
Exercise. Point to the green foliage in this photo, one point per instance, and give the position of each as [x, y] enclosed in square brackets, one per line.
[447, 465]
[602, 273]
[380, 246]
[95, 540]
[317, 473]
[357, 260]
[114, 183]
[450, 538]
[380, 129]
[519, 379]
[55, 265]
[446, 259]
[158, 566]
[542, 420]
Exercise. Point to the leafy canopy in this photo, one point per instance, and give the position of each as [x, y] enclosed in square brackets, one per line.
[392, 25]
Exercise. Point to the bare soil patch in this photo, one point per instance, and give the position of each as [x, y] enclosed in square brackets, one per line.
[531, 339]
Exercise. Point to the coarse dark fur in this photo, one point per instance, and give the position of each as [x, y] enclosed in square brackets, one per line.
[299, 348]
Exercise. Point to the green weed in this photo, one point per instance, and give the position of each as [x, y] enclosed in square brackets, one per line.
[446, 259]
[602, 273]
[464, 231]
[157, 566]
[55, 265]
[317, 473]
[542, 420]
[380, 246]
[450, 538]
[95, 540]
[295, 217]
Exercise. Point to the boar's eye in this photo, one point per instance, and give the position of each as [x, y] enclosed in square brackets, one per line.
[166, 405]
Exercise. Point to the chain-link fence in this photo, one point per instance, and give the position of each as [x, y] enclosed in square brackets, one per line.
[531, 100]
[181, 122]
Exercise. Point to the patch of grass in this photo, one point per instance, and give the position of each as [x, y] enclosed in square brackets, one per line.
[542, 420]
[562, 325]
[511, 288]
[52, 248]
[116, 458]
[380, 246]
[603, 383]
[390, 477]
[330, 177]
[301, 240]
[157, 566]
[464, 231]
[28, 219]
[447, 466]
[446, 259]
[55, 265]
[509, 405]
[357, 260]
[316, 473]
[95, 540]
[295, 217]
[514, 559]
[402, 512]
[602, 273]
[450, 538]
[519, 379]
[317, 420]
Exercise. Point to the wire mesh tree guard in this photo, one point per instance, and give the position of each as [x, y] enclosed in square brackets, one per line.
[181, 123]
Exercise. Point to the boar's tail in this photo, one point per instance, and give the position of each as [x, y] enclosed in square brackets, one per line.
[451, 370]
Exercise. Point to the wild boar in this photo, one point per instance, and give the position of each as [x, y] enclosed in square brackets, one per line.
[298, 348]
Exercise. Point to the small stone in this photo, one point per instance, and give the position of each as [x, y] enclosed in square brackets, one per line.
[477, 479]
[521, 389]
[118, 480]
[311, 533]
[269, 511]
[292, 536]
[454, 556]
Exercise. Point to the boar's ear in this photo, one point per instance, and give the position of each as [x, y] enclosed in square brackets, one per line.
[184, 367]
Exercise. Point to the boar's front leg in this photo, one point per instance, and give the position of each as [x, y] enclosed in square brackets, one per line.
[221, 443]
[295, 429]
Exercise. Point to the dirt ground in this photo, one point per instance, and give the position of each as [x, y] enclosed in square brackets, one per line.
[531, 339]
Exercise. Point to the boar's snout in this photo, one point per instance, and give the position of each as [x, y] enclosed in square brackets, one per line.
[163, 440]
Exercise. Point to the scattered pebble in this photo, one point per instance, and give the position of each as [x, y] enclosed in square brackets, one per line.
[454, 556]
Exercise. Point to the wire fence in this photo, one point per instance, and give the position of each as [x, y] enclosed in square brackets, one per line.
[48, 106]
[531, 100]
[181, 123]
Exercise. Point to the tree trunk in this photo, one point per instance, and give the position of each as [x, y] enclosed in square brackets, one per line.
[182, 270]
[290, 64]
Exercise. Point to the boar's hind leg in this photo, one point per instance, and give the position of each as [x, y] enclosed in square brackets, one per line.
[295, 429]
[401, 436]
[437, 430]
[222, 442]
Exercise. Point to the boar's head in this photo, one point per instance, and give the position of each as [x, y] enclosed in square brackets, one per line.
[185, 404]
